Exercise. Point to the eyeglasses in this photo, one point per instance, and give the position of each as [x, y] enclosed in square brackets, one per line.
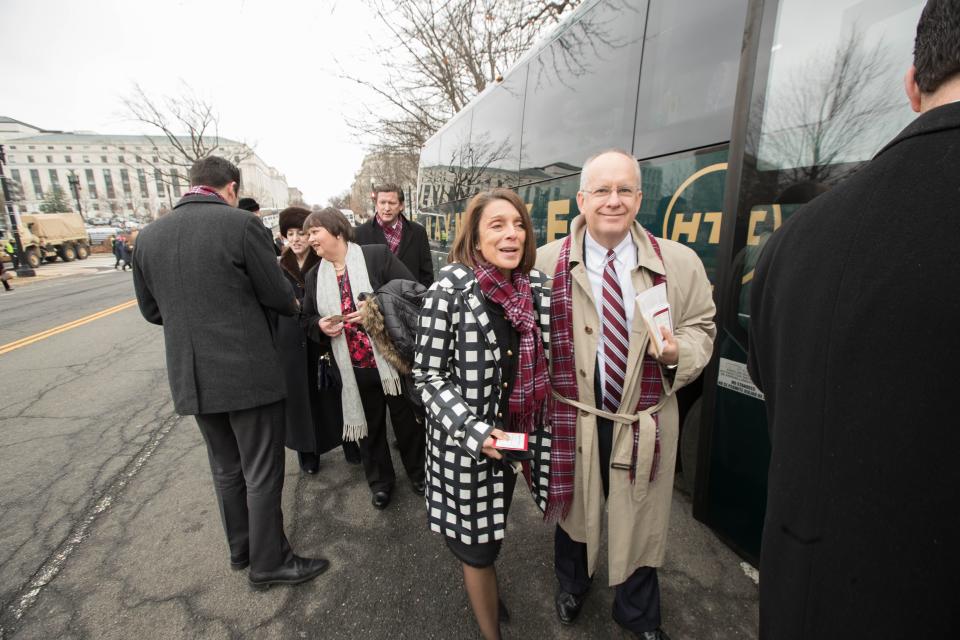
[602, 193]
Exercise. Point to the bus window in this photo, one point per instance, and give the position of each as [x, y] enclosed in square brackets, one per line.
[459, 175]
[495, 134]
[582, 91]
[691, 55]
[827, 95]
[430, 178]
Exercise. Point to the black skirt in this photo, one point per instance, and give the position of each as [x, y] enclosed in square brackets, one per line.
[485, 554]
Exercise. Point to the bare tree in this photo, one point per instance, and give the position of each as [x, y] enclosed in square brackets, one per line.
[445, 52]
[828, 112]
[189, 131]
[341, 200]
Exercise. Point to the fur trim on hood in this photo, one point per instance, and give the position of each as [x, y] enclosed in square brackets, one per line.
[288, 260]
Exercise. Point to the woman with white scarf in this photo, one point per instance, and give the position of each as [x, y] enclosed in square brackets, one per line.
[331, 313]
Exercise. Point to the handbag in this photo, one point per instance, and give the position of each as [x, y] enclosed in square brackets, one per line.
[328, 375]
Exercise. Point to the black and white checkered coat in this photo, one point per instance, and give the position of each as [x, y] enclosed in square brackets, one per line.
[456, 371]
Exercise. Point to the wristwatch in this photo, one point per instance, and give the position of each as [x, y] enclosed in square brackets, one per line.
[670, 367]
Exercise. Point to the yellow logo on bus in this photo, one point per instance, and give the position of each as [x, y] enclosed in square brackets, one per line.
[685, 227]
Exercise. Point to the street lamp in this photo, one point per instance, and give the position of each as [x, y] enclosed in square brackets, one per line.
[74, 181]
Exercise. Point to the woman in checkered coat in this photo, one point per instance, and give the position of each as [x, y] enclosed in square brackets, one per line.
[481, 370]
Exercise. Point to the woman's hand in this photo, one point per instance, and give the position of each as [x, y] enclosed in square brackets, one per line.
[355, 316]
[330, 328]
[489, 449]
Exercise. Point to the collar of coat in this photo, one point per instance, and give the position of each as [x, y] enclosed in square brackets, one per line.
[646, 254]
[196, 197]
[288, 260]
[944, 117]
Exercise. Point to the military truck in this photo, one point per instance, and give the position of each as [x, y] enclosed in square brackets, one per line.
[48, 236]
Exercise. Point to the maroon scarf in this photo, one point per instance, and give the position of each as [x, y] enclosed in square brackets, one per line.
[393, 233]
[201, 190]
[531, 387]
[563, 379]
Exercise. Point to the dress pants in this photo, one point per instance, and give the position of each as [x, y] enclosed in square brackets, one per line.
[636, 604]
[374, 450]
[246, 455]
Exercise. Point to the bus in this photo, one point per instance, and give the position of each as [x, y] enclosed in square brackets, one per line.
[739, 112]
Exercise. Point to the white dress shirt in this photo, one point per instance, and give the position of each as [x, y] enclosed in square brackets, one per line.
[625, 261]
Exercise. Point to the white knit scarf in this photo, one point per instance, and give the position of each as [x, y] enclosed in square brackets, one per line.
[328, 304]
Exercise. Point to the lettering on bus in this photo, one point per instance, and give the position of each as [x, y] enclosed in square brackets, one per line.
[762, 223]
[686, 226]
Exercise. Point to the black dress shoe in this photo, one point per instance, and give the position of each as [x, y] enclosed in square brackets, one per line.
[568, 606]
[381, 499]
[419, 487]
[309, 462]
[294, 572]
[241, 564]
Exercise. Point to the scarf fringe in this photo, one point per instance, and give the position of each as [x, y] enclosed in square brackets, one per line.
[392, 386]
[354, 432]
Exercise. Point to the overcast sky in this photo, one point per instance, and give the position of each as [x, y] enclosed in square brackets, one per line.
[269, 66]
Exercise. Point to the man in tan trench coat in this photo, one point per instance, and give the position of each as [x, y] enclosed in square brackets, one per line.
[624, 457]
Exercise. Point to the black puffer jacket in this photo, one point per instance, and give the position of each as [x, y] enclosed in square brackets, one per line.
[391, 316]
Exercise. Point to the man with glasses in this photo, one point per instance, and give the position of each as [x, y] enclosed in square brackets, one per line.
[616, 422]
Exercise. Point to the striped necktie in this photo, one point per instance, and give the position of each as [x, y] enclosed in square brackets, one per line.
[616, 341]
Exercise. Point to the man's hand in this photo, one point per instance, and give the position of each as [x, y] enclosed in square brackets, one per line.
[329, 328]
[488, 449]
[671, 350]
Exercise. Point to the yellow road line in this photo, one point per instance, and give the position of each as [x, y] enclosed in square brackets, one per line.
[22, 342]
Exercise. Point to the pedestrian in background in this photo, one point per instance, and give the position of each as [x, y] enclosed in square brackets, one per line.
[853, 340]
[369, 382]
[116, 242]
[481, 369]
[207, 273]
[406, 239]
[616, 423]
[312, 415]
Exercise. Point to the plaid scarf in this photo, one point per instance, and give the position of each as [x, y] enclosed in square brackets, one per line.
[201, 190]
[531, 386]
[564, 381]
[392, 233]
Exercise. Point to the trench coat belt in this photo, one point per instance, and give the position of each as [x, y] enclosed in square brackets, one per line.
[621, 418]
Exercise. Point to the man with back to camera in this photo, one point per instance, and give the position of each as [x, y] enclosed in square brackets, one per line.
[853, 339]
[405, 238]
[214, 300]
[615, 427]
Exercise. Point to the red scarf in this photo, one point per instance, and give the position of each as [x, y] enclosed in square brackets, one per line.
[531, 386]
[392, 233]
[201, 190]
[563, 379]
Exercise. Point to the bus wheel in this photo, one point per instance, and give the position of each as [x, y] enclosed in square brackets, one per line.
[689, 443]
[83, 251]
[32, 257]
[68, 253]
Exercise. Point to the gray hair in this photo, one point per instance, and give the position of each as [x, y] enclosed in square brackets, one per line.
[589, 161]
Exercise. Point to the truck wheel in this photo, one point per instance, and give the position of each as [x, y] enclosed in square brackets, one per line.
[83, 251]
[68, 252]
[32, 257]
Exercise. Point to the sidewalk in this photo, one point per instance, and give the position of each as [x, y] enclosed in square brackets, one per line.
[96, 263]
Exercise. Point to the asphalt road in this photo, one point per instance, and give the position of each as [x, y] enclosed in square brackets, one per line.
[109, 529]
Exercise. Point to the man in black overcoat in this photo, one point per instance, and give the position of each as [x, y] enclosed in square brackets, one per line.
[208, 274]
[409, 243]
[853, 339]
